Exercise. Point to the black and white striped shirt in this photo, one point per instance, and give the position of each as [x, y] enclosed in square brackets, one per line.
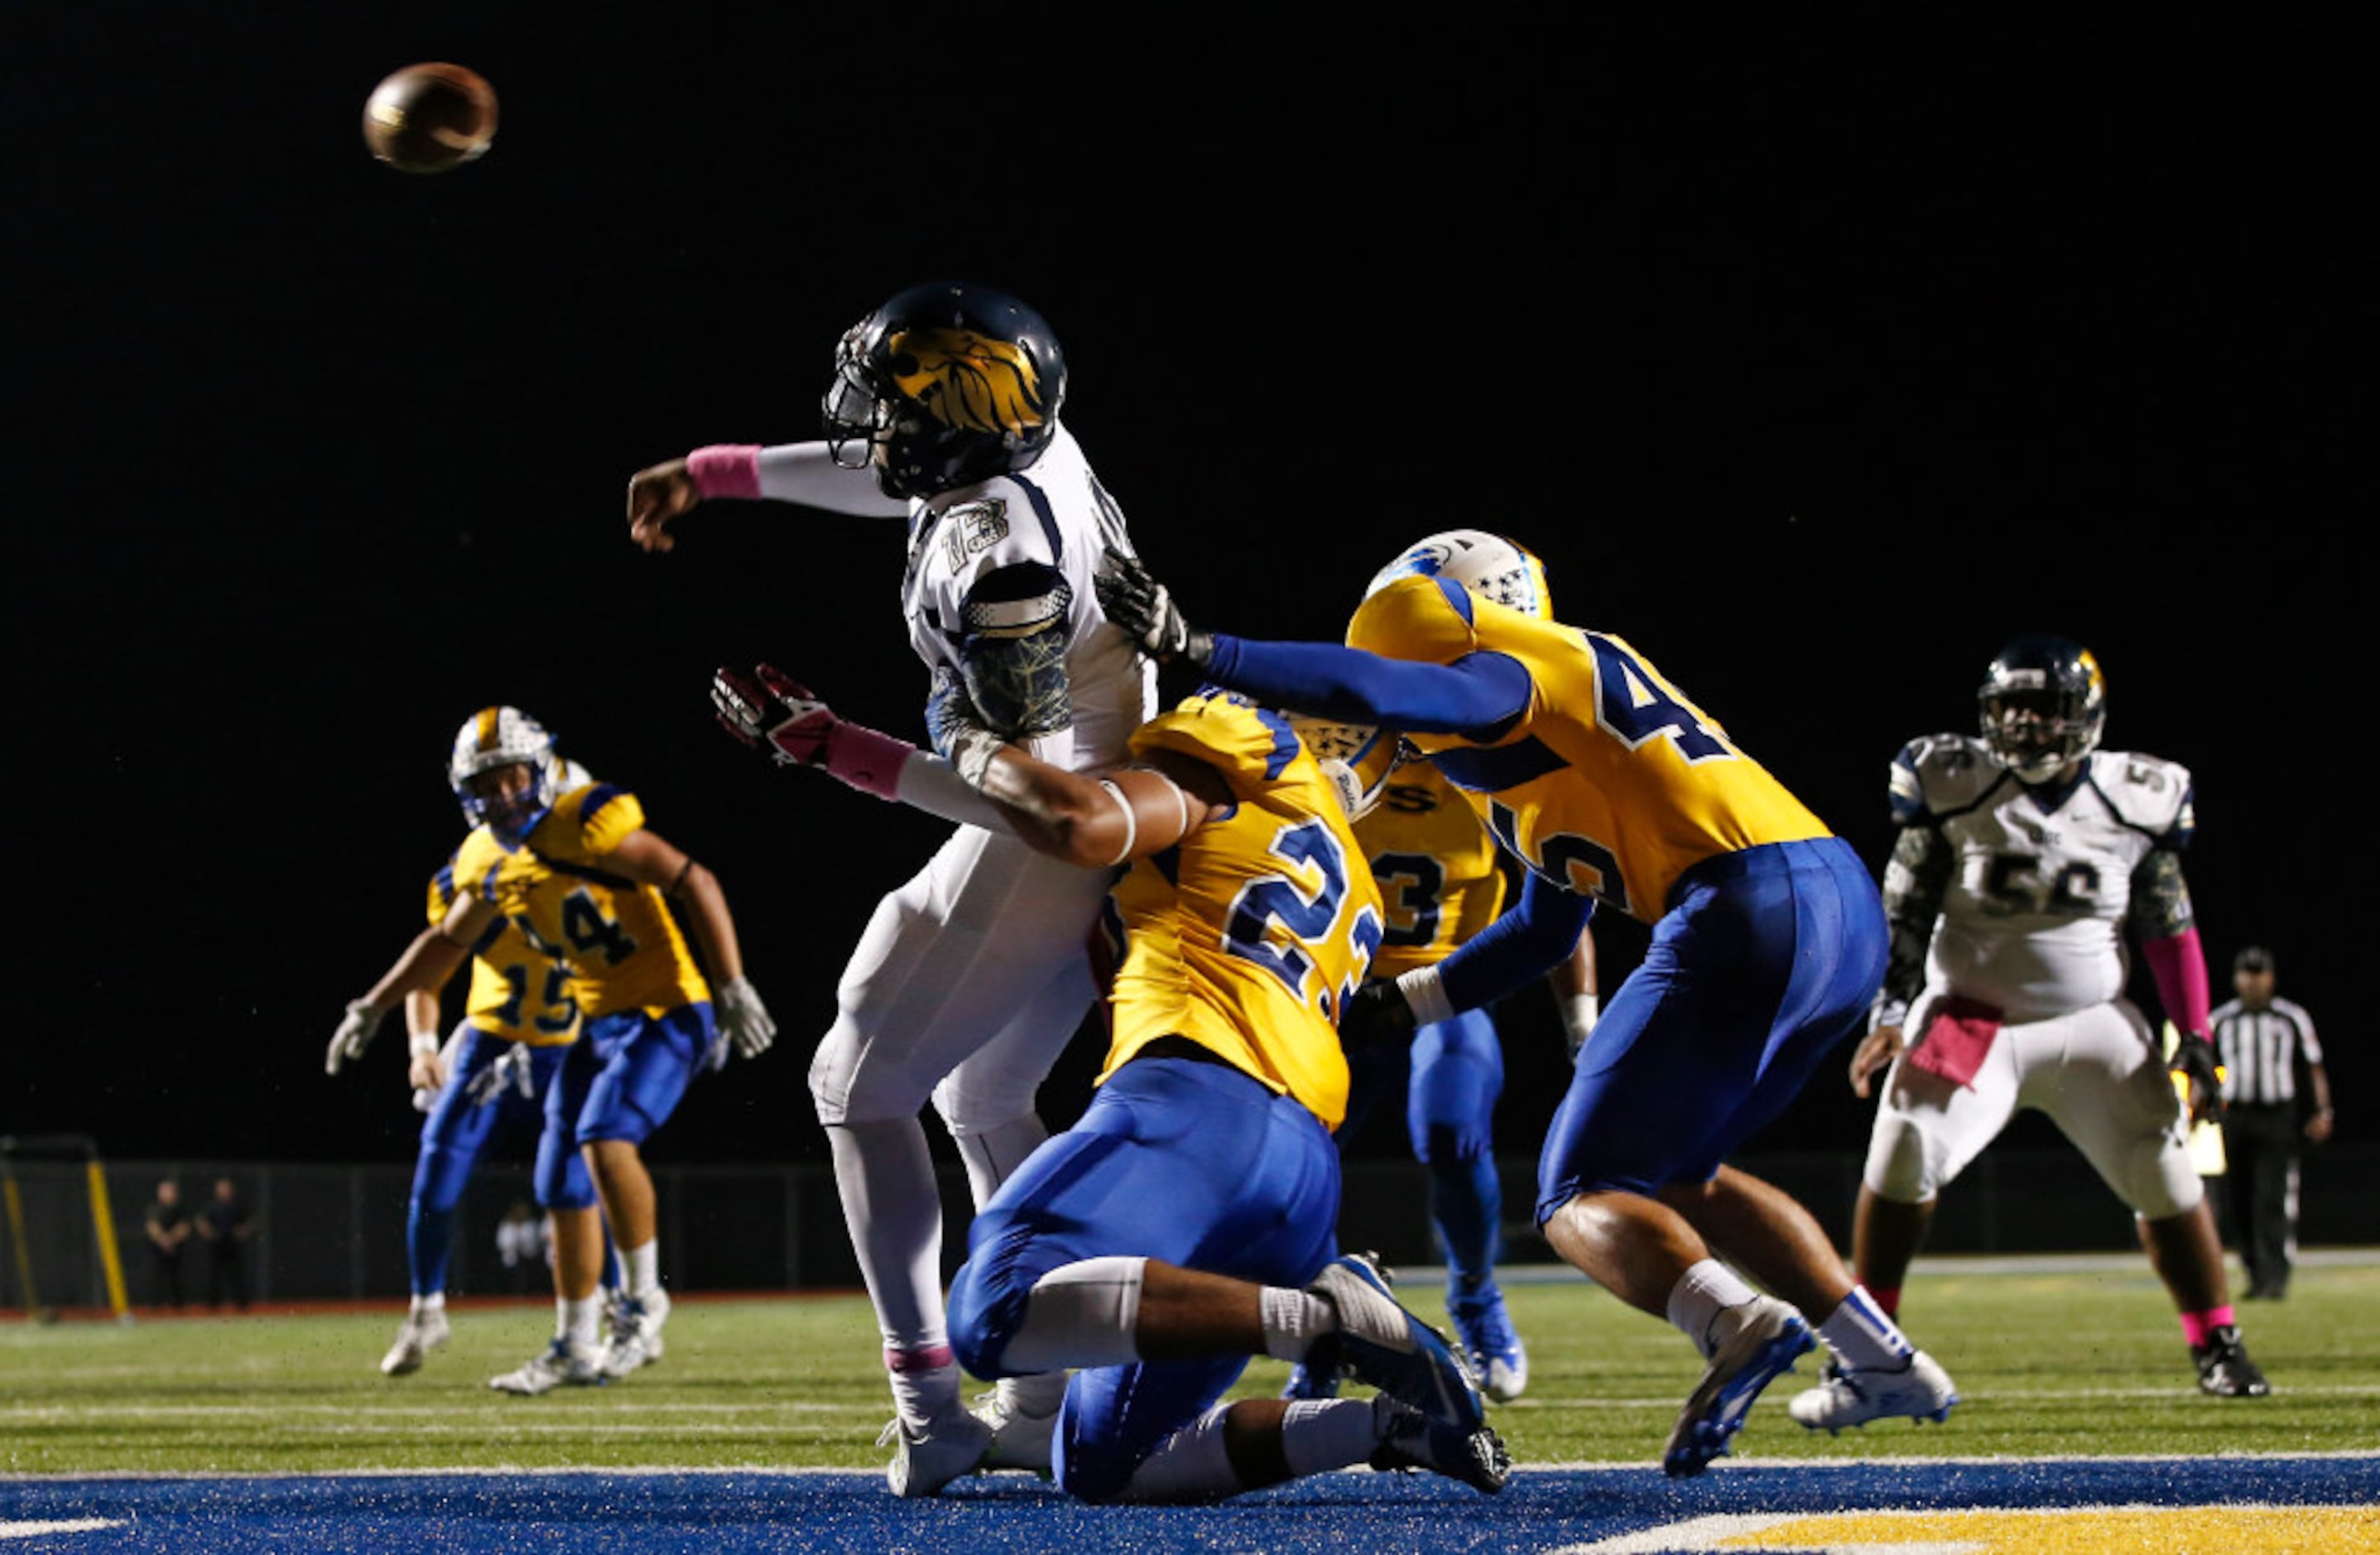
[2260, 1049]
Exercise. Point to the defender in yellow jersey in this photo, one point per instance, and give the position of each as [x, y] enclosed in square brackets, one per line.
[1608, 783]
[584, 879]
[1442, 880]
[1186, 1222]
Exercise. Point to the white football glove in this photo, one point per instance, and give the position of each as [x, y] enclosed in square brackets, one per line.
[511, 1071]
[356, 1031]
[744, 1020]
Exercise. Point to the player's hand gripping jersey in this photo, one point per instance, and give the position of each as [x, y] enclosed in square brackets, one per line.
[624, 950]
[1617, 804]
[517, 993]
[1438, 869]
[1284, 870]
[2038, 883]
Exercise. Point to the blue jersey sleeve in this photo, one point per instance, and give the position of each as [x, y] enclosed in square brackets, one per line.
[1476, 697]
[1520, 947]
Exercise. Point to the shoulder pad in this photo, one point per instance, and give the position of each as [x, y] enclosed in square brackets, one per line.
[589, 822]
[476, 862]
[441, 891]
[2148, 793]
[1426, 619]
[1251, 746]
[1940, 774]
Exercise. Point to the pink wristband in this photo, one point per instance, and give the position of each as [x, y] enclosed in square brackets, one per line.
[866, 759]
[726, 469]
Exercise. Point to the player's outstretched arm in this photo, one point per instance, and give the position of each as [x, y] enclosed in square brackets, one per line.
[427, 963]
[649, 858]
[803, 473]
[1477, 696]
[1101, 821]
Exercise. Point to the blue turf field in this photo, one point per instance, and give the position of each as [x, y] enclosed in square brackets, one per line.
[2229, 1503]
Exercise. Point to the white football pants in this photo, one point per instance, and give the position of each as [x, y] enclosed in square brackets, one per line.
[2097, 1072]
[967, 983]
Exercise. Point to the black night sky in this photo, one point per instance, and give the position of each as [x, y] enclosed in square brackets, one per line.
[1816, 358]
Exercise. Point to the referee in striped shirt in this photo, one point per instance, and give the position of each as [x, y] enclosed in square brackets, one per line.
[2263, 1040]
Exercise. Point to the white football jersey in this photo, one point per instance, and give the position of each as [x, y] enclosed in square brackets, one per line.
[1055, 514]
[2032, 919]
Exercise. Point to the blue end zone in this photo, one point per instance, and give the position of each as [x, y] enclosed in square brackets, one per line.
[657, 1513]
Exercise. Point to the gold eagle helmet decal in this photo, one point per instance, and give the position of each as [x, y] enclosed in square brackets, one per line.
[2091, 668]
[968, 382]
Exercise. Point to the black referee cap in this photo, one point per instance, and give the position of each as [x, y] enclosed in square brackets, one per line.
[2256, 958]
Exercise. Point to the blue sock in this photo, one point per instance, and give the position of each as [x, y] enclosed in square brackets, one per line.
[429, 1234]
[1468, 1201]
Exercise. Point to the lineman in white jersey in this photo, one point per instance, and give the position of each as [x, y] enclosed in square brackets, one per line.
[2022, 858]
[971, 978]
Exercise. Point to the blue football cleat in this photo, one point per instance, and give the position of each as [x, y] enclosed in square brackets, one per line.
[1771, 1337]
[1379, 1343]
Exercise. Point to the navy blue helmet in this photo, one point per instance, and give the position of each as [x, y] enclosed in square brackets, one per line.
[946, 385]
[2044, 704]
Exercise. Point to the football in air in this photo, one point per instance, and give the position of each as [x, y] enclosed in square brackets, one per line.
[431, 118]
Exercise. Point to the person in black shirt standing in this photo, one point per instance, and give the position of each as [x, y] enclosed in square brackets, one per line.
[2264, 1039]
[168, 1228]
[227, 1224]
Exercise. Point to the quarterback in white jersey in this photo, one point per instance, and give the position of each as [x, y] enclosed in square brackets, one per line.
[971, 977]
[2024, 860]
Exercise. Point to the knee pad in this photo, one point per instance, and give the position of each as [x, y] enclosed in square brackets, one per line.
[858, 1078]
[988, 1302]
[1901, 1165]
[2159, 1182]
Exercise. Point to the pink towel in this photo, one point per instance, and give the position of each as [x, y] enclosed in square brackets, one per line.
[1955, 1040]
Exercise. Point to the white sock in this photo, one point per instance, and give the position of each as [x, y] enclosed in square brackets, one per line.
[1859, 1332]
[1701, 1299]
[1292, 1321]
[923, 1394]
[423, 1305]
[884, 1174]
[991, 1154]
[1320, 1435]
[575, 1320]
[643, 1267]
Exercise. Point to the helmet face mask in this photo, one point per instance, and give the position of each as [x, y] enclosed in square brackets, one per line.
[2042, 706]
[492, 740]
[1357, 758]
[1487, 565]
[945, 385]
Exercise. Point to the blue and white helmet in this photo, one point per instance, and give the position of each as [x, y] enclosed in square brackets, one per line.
[1488, 565]
[502, 737]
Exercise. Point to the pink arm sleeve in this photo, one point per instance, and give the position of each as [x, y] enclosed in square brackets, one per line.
[726, 469]
[2180, 966]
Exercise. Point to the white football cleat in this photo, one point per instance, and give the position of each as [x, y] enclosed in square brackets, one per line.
[1768, 1338]
[1855, 1395]
[562, 1365]
[952, 1446]
[1020, 1440]
[635, 1334]
[416, 1337]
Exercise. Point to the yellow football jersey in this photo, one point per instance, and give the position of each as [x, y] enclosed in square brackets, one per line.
[1611, 782]
[1438, 869]
[1247, 936]
[624, 948]
[517, 993]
